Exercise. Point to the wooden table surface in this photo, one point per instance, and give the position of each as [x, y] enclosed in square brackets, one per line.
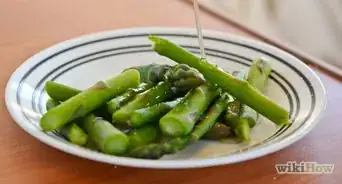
[27, 26]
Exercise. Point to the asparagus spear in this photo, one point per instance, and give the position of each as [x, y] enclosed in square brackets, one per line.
[151, 114]
[241, 129]
[71, 131]
[212, 115]
[105, 136]
[176, 144]
[157, 72]
[115, 103]
[180, 75]
[184, 77]
[74, 134]
[157, 150]
[60, 92]
[233, 111]
[240, 89]
[240, 116]
[181, 120]
[154, 151]
[218, 131]
[258, 74]
[257, 77]
[142, 136]
[149, 151]
[152, 73]
[89, 99]
[91, 145]
[155, 95]
[51, 103]
[239, 125]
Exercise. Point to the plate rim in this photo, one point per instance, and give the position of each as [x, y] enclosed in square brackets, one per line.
[162, 164]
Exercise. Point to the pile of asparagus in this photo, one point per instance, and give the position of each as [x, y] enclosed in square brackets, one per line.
[152, 110]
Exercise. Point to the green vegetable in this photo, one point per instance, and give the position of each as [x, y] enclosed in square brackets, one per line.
[180, 76]
[60, 92]
[181, 120]
[106, 137]
[142, 136]
[74, 134]
[183, 77]
[91, 145]
[233, 111]
[157, 150]
[89, 100]
[240, 89]
[155, 95]
[258, 74]
[151, 114]
[211, 117]
[117, 102]
[257, 77]
[150, 151]
[51, 103]
[176, 144]
[71, 131]
[152, 73]
[240, 116]
[241, 129]
[239, 125]
[135, 109]
[218, 131]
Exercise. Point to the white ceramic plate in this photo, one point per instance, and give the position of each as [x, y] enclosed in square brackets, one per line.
[82, 61]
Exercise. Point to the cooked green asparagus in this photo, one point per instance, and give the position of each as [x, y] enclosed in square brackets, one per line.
[51, 103]
[239, 125]
[183, 77]
[89, 99]
[181, 120]
[60, 92]
[159, 109]
[211, 117]
[159, 93]
[152, 73]
[117, 102]
[74, 134]
[156, 150]
[240, 89]
[151, 114]
[71, 131]
[218, 131]
[107, 138]
[142, 136]
[257, 77]
[180, 75]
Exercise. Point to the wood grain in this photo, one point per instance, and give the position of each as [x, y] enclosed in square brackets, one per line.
[27, 26]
